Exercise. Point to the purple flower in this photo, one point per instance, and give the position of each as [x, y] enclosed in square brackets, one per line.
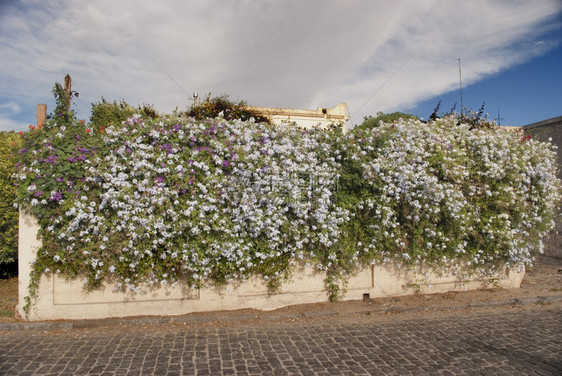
[225, 163]
[57, 196]
[168, 148]
[52, 159]
[205, 148]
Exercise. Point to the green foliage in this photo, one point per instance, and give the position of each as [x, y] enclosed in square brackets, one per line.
[373, 122]
[9, 144]
[105, 113]
[223, 106]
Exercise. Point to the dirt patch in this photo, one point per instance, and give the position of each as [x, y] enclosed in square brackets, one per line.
[8, 299]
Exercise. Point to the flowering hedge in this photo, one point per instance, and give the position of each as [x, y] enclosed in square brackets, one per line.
[442, 193]
[175, 200]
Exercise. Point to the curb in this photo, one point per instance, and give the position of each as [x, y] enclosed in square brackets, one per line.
[203, 319]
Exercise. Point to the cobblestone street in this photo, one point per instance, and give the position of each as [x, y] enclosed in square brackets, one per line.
[506, 341]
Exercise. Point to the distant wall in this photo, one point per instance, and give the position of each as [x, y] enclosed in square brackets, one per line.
[321, 117]
[542, 131]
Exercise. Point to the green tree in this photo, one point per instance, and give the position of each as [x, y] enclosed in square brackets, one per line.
[9, 143]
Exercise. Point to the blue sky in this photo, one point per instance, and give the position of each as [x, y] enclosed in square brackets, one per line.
[524, 94]
[374, 55]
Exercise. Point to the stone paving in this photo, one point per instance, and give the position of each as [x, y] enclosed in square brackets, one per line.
[490, 336]
[507, 341]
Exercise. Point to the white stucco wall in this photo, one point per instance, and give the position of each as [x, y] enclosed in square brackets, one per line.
[60, 299]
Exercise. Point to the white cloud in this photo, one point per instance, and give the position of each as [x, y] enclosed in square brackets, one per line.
[7, 124]
[8, 110]
[10, 106]
[271, 53]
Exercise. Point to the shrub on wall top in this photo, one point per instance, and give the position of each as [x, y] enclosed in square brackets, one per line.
[212, 107]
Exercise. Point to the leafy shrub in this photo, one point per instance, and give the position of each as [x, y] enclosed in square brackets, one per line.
[9, 144]
[180, 200]
[373, 122]
[105, 113]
